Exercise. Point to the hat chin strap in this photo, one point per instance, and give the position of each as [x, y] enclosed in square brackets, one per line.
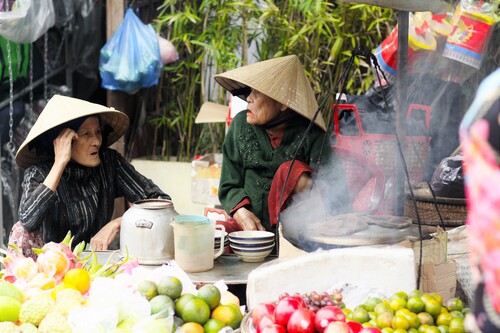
[282, 118]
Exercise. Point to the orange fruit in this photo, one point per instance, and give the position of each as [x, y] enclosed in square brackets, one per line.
[195, 310]
[229, 315]
[191, 328]
[360, 315]
[425, 319]
[443, 329]
[384, 319]
[382, 307]
[400, 295]
[397, 303]
[387, 330]
[210, 294]
[400, 330]
[415, 293]
[371, 302]
[437, 297]
[78, 278]
[455, 304]
[432, 329]
[147, 289]
[412, 319]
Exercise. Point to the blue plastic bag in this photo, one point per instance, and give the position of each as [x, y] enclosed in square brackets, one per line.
[131, 59]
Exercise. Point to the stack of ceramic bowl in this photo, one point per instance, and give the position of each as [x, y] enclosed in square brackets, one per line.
[217, 240]
[252, 245]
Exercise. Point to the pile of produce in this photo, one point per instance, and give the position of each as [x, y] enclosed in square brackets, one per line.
[415, 312]
[64, 291]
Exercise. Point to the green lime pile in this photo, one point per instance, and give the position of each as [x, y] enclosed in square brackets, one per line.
[202, 312]
[415, 312]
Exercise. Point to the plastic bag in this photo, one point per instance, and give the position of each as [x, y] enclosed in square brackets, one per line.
[27, 20]
[448, 178]
[131, 59]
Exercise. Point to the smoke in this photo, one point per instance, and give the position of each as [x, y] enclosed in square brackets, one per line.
[437, 91]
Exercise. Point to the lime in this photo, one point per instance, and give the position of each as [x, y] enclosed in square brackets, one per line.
[210, 294]
[457, 314]
[444, 329]
[384, 319]
[437, 297]
[457, 325]
[415, 293]
[412, 319]
[415, 304]
[432, 329]
[383, 307]
[170, 286]
[400, 295]
[162, 306]
[397, 303]
[371, 302]
[360, 315]
[147, 289]
[387, 330]
[181, 301]
[400, 321]
[444, 319]
[455, 304]
[432, 307]
[195, 310]
[213, 325]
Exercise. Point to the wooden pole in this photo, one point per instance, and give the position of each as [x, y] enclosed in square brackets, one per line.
[115, 10]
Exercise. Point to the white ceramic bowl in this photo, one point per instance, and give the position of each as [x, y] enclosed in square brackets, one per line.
[251, 245]
[253, 254]
[251, 236]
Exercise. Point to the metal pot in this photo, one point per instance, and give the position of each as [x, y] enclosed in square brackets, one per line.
[146, 232]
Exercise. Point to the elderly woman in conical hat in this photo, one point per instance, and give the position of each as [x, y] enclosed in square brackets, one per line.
[72, 177]
[262, 141]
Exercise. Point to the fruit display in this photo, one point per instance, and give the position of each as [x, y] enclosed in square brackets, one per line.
[403, 312]
[69, 291]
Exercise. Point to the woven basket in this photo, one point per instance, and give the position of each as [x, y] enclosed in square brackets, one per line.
[453, 210]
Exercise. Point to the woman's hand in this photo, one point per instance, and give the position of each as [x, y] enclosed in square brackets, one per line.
[247, 220]
[62, 155]
[101, 240]
[304, 183]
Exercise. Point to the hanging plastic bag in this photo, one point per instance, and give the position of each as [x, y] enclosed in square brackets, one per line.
[448, 178]
[131, 59]
[27, 20]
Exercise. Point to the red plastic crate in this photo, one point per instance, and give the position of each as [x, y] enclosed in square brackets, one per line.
[382, 150]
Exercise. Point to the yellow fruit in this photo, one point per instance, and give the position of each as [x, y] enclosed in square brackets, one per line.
[147, 289]
[382, 307]
[78, 278]
[400, 322]
[210, 294]
[213, 325]
[443, 329]
[437, 297]
[425, 319]
[228, 297]
[195, 310]
[387, 330]
[432, 329]
[415, 304]
[397, 303]
[191, 328]
[400, 330]
[444, 319]
[384, 319]
[415, 293]
[170, 286]
[400, 295]
[229, 315]
[9, 308]
[8, 289]
[412, 319]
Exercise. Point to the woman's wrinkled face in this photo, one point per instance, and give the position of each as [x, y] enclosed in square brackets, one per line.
[85, 149]
[262, 109]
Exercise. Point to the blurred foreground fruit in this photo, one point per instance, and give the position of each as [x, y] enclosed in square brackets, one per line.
[8, 289]
[229, 315]
[9, 308]
[78, 278]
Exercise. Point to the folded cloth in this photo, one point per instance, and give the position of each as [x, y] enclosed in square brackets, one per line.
[282, 185]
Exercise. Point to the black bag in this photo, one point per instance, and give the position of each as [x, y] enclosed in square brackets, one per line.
[448, 178]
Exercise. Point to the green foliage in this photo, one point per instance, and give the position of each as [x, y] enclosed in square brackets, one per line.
[213, 36]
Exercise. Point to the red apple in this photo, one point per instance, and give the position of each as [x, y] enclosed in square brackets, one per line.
[285, 307]
[260, 310]
[274, 328]
[337, 327]
[355, 326]
[301, 321]
[266, 320]
[326, 315]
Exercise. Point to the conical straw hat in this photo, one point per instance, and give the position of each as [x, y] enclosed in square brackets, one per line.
[283, 79]
[61, 109]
